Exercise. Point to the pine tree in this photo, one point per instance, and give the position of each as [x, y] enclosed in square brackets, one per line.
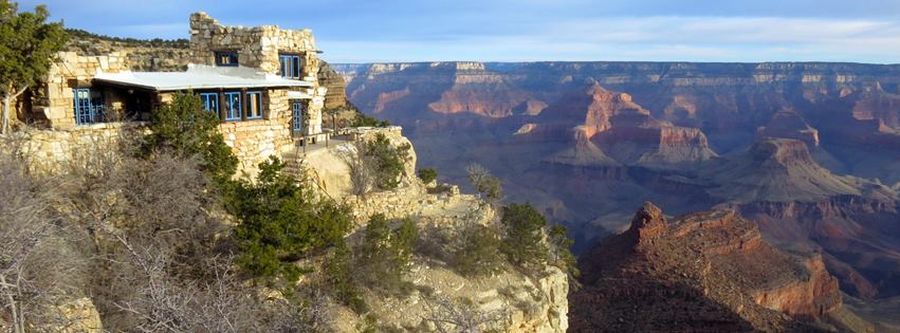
[28, 47]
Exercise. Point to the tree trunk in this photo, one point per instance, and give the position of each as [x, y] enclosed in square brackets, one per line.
[4, 127]
[7, 101]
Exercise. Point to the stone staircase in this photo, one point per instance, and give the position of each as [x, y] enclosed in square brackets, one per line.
[293, 161]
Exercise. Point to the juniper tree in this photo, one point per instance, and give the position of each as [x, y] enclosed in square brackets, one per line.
[523, 241]
[28, 46]
[183, 128]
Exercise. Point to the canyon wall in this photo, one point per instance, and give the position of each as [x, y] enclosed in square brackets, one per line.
[807, 151]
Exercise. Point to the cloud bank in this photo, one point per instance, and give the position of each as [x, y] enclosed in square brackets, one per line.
[535, 30]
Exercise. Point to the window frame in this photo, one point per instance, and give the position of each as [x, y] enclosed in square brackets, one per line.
[297, 119]
[259, 105]
[233, 58]
[233, 113]
[294, 66]
[210, 98]
[88, 110]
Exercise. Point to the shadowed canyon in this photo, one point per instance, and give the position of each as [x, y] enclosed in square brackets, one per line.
[808, 153]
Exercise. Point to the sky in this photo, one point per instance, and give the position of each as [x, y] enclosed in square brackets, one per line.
[359, 31]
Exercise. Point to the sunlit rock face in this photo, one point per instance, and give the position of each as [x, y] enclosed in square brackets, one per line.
[807, 151]
[703, 271]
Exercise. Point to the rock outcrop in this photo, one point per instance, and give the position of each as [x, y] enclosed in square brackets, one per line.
[777, 170]
[518, 301]
[616, 130]
[708, 271]
[336, 95]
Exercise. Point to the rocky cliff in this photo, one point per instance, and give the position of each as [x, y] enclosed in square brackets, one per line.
[143, 55]
[516, 301]
[336, 96]
[708, 271]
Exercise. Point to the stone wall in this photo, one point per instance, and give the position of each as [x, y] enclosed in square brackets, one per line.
[52, 151]
[260, 47]
[143, 56]
[53, 101]
[257, 47]
[254, 141]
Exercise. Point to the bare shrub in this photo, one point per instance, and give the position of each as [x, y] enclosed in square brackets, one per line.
[361, 178]
[40, 267]
[488, 185]
[461, 316]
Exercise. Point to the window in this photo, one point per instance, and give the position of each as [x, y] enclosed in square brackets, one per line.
[291, 66]
[232, 106]
[88, 105]
[210, 102]
[254, 105]
[226, 58]
[298, 116]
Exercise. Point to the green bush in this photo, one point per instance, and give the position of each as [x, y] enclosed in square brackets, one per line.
[385, 254]
[281, 222]
[339, 275]
[183, 128]
[480, 253]
[523, 241]
[428, 175]
[362, 120]
[385, 161]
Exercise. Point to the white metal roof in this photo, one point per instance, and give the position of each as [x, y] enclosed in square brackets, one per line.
[200, 77]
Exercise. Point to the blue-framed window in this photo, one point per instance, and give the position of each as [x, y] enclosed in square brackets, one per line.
[226, 58]
[291, 66]
[232, 106]
[254, 105]
[210, 102]
[297, 120]
[88, 105]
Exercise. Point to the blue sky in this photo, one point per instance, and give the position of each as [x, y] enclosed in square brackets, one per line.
[532, 30]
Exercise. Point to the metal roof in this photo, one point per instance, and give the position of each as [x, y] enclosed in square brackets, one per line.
[200, 77]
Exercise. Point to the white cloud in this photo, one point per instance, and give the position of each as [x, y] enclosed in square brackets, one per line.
[659, 38]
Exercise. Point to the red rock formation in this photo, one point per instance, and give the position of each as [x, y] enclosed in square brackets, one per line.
[813, 298]
[621, 130]
[604, 106]
[386, 98]
[847, 229]
[648, 223]
[706, 271]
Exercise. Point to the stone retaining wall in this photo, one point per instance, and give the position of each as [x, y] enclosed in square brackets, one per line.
[52, 151]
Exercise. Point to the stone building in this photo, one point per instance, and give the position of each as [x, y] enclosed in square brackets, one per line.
[260, 81]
